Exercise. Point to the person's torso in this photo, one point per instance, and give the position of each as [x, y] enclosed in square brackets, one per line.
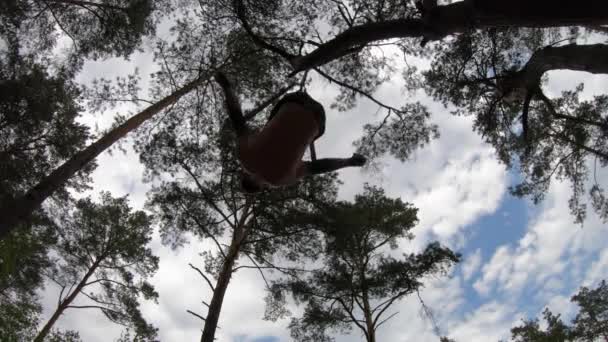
[275, 153]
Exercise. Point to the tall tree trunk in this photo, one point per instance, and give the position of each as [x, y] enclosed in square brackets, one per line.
[459, 17]
[66, 302]
[369, 321]
[215, 306]
[20, 209]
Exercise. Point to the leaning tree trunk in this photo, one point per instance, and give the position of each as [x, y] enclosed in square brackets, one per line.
[66, 303]
[219, 291]
[458, 17]
[20, 209]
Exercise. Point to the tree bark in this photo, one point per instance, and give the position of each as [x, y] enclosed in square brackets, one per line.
[369, 321]
[459, 17]
[66, 302]
[21, 208]
[215, 306]
[527, 81]
[590, 58]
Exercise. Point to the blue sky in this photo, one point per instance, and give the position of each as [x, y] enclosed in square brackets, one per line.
[490, 232]
[518, 258]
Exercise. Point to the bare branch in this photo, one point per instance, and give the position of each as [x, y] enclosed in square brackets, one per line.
[203, 275]
[102, 308]
[60, 296]
[110, 281]
[387, 303]
[260, 269]
[196, 315]
[386, 319]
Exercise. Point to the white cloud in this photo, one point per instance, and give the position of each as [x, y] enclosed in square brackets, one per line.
[546, 251]
[490, 322]
[597, 271]
[471, 264]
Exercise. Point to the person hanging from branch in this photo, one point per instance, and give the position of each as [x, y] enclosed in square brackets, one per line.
[272, 156]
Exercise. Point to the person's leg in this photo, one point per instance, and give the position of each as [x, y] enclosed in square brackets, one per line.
[318, 166]
[232, 105]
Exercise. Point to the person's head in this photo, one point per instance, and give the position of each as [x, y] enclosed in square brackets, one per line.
[249, 184]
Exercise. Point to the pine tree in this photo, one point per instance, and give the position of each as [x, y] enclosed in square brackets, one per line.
[104, 260]
[360, 278]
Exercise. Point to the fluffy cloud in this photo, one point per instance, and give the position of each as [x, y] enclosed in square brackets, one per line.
[549, 249]
[490, 322]
[471, 265]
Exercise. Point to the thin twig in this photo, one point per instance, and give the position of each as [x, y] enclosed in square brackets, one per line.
[357, 90]
[203, 275]
[196, 315]
[427, 311]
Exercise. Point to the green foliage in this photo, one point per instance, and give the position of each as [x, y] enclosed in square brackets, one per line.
[386, 137]
[103, 254]
[590, 324]
[482, 74]
[38, 127]
[18, 316]
[446, 339]
[530, 331]
[592, 320]
[24, 260]
[97, 29]
[360, 279]
[64, 336]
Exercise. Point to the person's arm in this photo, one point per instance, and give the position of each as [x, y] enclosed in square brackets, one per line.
[232, 105]
[319, 166]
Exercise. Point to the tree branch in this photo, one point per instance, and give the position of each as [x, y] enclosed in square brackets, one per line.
[260, 107]
[196, 315]
[203, 275]
[386, 304]
[102, 308]
[258, 268]
[242, 16]
[455, 18]
[385, 320]
[352, 316]
[357, 90]
[204, 191]
[204, 229]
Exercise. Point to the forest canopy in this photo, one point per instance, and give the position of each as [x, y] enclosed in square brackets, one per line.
[125, 196]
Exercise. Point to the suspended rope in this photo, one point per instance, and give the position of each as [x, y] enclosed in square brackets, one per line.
[313, 152]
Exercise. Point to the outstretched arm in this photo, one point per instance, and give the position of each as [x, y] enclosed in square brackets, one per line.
[318, 166]
[232, 105]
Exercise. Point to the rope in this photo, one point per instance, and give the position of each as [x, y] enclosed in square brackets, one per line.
[313, 152]
[303, 82]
